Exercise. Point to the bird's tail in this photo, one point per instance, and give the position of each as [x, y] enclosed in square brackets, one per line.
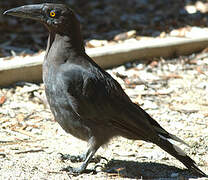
[179, 154]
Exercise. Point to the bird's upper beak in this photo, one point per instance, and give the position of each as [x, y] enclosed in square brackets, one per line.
[27, 11]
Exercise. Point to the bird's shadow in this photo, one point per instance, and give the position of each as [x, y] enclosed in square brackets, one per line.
[146, 170]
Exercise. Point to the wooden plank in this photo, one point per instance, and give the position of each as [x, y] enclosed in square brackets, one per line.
[29, 68]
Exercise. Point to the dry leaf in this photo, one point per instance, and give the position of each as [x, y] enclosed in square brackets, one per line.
[199, 70]
[153, 64]
[2, 99]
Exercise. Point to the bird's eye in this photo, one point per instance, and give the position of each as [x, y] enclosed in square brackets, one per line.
[52, 13]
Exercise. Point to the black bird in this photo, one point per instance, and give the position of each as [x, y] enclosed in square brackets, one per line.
[84, 99]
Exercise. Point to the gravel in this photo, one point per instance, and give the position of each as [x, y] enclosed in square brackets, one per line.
[174, 92]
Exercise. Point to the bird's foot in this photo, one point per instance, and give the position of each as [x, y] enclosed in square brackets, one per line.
[73, 159]
[81, 158]
[98, 158]
[100, 167]
[77, 171]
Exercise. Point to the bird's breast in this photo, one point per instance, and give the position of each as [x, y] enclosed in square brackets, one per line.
[62, 105]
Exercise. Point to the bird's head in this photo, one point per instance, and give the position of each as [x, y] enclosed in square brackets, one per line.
[54, 16]
[58, 18]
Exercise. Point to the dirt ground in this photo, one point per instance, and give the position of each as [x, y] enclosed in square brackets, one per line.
[173, 91]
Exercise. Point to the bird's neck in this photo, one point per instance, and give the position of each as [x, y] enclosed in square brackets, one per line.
[62, 46]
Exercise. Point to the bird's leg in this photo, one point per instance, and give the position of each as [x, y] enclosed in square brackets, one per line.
[87, 157]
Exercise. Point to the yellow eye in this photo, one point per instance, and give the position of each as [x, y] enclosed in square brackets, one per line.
[52, 14]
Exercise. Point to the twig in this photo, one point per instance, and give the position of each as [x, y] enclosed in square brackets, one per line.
[56, 172]
[170, 76]
[156, 93]
[30, 151]
[183, 110]
[42, 99]
[17, 142]
[24, 132]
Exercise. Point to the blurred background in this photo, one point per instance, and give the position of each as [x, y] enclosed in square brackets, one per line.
[104, 20]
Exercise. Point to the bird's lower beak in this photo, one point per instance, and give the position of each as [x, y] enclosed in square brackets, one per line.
[27, 11]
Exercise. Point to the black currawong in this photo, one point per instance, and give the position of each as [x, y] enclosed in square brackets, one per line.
[84, 99]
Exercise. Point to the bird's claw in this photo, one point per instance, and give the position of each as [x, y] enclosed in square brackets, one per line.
[80, 158]
[77, 171]
[71, 170]
[102, 166]
[98, 158]
[72, 158]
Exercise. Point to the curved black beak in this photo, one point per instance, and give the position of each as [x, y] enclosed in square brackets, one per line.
[27, 11]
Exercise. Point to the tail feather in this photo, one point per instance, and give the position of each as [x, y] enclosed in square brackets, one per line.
[158, 128]
[178, 139]
[165, 134]
[179, 154]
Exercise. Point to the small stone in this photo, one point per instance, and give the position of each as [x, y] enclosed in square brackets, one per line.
[150, 105]
[125, 35]
[96, 43]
